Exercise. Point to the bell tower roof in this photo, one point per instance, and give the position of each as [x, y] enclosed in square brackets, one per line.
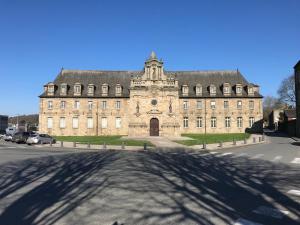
[152, 55]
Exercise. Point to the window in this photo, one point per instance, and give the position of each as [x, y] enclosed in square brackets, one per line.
[198, 90]
[91, 89]
[50, 89]
[199, 122]
[199, 105]
[62, 122]
[90, 105]
[226, 104]
[185, 122]
[213, 122]
[227, 122]
[50, 122]
[103, 122]
[226, 90]
[104, 104]
[185, 105]
[239, 104]
[251, 104]
[50, 105]
[239, 90]
[239, 122]
[118, 104]
[185, 90]
[90, 123]
[75, 122]
[118, 122]
[77, 89]
[62, 104]
[104, 89]
[250, 90]
[118, 90]
[213, 104]
[76, 105]
[251, 121]
[213, 89]
[63, 89]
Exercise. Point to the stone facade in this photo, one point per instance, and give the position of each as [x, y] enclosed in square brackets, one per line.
[297, 88]
[149, 102]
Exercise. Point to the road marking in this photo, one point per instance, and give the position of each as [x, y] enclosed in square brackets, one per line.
[277, 158]
[294, 192]
[225, 154]
[242, 155]
[242, 221]
[257, 156]
[296, 160]
[7, 147]
[272, 212]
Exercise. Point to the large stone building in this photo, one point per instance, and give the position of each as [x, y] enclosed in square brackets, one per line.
[152, 102]
[297, 88]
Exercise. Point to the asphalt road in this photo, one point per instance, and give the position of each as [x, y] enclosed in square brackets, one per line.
[248, 185]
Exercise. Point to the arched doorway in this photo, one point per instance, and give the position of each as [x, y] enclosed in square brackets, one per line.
[154, 127]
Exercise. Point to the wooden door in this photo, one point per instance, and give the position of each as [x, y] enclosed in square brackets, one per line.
[154, 127]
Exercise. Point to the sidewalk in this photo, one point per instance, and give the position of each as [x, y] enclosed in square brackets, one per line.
[252, 140]
[160, 144]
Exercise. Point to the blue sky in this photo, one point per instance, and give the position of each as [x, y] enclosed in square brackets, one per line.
[37, 38]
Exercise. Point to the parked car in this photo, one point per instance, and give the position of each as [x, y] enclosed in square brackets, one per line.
[40, 139]
[20, 137]
[7, 137]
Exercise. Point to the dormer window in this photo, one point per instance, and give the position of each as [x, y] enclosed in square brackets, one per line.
[50, 89]
[63, 89]
[239, 89]
[212, 90]
[91, 89]
[226, 89]
[250, 90]
[118, 90]
[104, 89]
[77, 89]
[185, 90]
[198, 90]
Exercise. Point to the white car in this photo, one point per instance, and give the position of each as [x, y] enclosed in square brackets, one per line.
[7, 137]
[40, 139]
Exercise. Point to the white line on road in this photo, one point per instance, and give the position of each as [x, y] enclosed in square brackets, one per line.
[296, 160]
[257, 156]
[7, 147]
[272, 212]
[214, 153]
[277, 158]
[225, 154]
[242, 221]
[294, 192]
[242, 155]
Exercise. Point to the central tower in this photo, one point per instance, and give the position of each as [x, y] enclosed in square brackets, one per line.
[154, 101]
[153, 68]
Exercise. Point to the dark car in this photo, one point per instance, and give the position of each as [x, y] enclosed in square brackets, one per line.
[20, 137]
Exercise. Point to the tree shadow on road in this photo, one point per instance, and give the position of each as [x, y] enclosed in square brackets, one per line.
[192, 189]
[56, 185]
[145, 188]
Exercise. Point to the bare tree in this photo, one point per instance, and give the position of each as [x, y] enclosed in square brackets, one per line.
[270, 103]
[286, 91]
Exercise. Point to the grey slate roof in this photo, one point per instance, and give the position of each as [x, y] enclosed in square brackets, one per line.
[112, 78]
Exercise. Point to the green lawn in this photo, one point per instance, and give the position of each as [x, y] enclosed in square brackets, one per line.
[212, 138]
[99, 140]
